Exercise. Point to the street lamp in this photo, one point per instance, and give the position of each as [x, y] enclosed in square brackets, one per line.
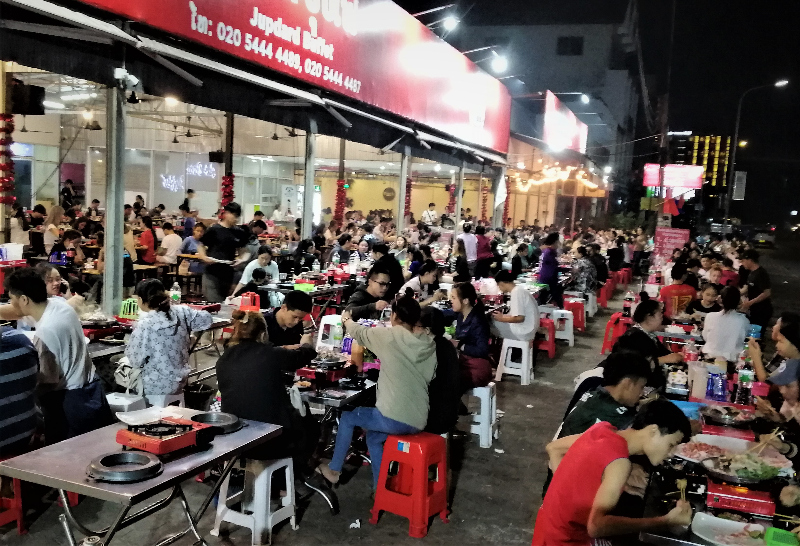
[732, 172]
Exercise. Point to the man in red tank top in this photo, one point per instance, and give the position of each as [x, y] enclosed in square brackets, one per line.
[592, 468]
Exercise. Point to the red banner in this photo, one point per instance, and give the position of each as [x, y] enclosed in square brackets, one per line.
[369, 50]
[562, 128]
[668, 239]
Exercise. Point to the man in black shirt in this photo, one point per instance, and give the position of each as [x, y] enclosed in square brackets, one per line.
[692, 273]
[218, 250]
[67, 195]
[758, 290]
[368, 301]
[345, 247]
[285, 324]
[380, 253]
[37, 215]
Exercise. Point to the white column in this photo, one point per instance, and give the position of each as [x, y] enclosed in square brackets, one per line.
[459, 192]
[400, 214]
[115, 196]
[500, 191]
[306, 229]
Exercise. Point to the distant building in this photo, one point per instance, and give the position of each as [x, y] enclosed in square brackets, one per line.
[586, 52]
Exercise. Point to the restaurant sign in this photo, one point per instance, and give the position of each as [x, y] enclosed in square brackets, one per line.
[369, 50]
[667, 239]
[675, 176]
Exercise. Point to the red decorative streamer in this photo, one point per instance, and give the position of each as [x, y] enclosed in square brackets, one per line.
[227, 192]
[484, 200]
[341, 200]
[6, 161]
[506, 218]
[451, 205]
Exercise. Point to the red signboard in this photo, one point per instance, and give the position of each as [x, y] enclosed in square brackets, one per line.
[369, 50]
[668, 239]
[562, 128]
[675, 176]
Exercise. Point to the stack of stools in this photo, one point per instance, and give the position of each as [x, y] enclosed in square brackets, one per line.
[563, 322]
[549, 343]
[578, 308]
[627, 275]
[484, 424]
[616, 326]
[256, 512]
[413, 480]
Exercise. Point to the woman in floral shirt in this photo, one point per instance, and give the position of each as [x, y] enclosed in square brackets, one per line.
[159, 344]
[585, 272]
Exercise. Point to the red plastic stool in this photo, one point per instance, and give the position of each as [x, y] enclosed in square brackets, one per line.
[12, 508]
[627, 275]
[615, 327]
[548, 344]
[418, 489]
[578, 309]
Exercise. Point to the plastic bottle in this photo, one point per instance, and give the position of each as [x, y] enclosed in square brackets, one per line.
[336, 259]
[627, 304]
[315, 266]
[337, 333]
[744, 380]
[175, 293]
[690, 352]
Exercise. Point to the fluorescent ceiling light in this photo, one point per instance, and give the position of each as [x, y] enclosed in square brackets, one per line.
[53, 105]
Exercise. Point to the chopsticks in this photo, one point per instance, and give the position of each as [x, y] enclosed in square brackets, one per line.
[681, 484]
[764, 441]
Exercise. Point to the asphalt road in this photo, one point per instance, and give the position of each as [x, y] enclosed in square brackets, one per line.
[783, 266]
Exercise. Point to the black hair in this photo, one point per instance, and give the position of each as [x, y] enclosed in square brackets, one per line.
[96, 201]
[258, 274]
[708, 285]
[183, 207]
[40, 209]
[433, 319]
[582, 251]
[148, 223]
[101, 238]
[694, 262]
[127, 206]
[190, 190]
[303, 246]
[505, 276]
[68, 181]
[727, 262]
[480, 230]
[378, 269]
[71, 234]
[258, 213]
[407, 308]
[731, 297]
[344, 238]
[431, 204]
[43, 269]
[368, 228]
[467, 227]
[678, 271]
[426, 251]
[161, 206]
[467, 292]
[427, 266]
[551, 239]
[234, 208]
[381, 248]
[259, 223]
[385, 219]
[750, 254]
[624, 364]
[646, 308]
[666, 416]
[298, 301]
[264, 249]
[790, 327]
[154, 295]
[166, 225]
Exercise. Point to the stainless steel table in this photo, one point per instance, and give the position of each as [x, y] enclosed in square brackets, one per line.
[329, 402]
[98, 349]
[63, 466]
[217, 324]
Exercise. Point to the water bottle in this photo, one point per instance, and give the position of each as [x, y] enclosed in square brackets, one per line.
[175, 293]
[337, 333]
[712, 373]
[627, 304]
[315, 266]
[336, 259]
[745, 377]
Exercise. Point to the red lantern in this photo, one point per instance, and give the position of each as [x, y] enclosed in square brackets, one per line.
[451, 205]
[341, 200]
[506, 218]
[227, 192]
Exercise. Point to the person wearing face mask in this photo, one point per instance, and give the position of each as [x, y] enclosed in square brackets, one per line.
[422, 284]
[590, 471]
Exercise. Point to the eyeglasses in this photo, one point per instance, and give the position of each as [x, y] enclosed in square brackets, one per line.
[382, 283]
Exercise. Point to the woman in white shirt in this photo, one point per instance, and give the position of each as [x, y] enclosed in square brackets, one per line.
[422, 284]
[726, 330]
[51, 233]
[160, 342]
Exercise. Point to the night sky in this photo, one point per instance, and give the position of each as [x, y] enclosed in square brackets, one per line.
[721, 49]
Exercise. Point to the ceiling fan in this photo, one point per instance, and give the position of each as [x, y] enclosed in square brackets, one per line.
[26, 130]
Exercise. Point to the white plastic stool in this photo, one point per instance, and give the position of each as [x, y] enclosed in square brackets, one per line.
[164, 400]
[257, 514]
[568, 333]
[522, 369]
[484, 424]
[327, 320]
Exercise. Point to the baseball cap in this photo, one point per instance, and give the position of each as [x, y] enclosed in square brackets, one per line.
[750, 254]
[786, 373]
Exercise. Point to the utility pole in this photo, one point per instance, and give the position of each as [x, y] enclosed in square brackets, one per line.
[663, 142]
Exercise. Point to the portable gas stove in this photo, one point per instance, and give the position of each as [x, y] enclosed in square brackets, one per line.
[167, 435]
[205, 306]
[741, 499]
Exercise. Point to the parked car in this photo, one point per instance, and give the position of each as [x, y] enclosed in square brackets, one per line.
[764, 236]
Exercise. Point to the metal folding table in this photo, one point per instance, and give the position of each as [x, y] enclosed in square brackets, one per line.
[63, 466]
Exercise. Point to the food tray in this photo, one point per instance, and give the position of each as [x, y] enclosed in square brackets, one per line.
[713, 530]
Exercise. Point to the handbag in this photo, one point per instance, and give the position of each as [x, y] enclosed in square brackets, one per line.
[128, 377]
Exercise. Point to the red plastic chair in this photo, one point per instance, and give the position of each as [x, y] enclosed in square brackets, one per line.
[548, 344]
[627, 275]
[615, 327]
[605, 293]
[578, 309]
[416, 490]
[12, 509]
